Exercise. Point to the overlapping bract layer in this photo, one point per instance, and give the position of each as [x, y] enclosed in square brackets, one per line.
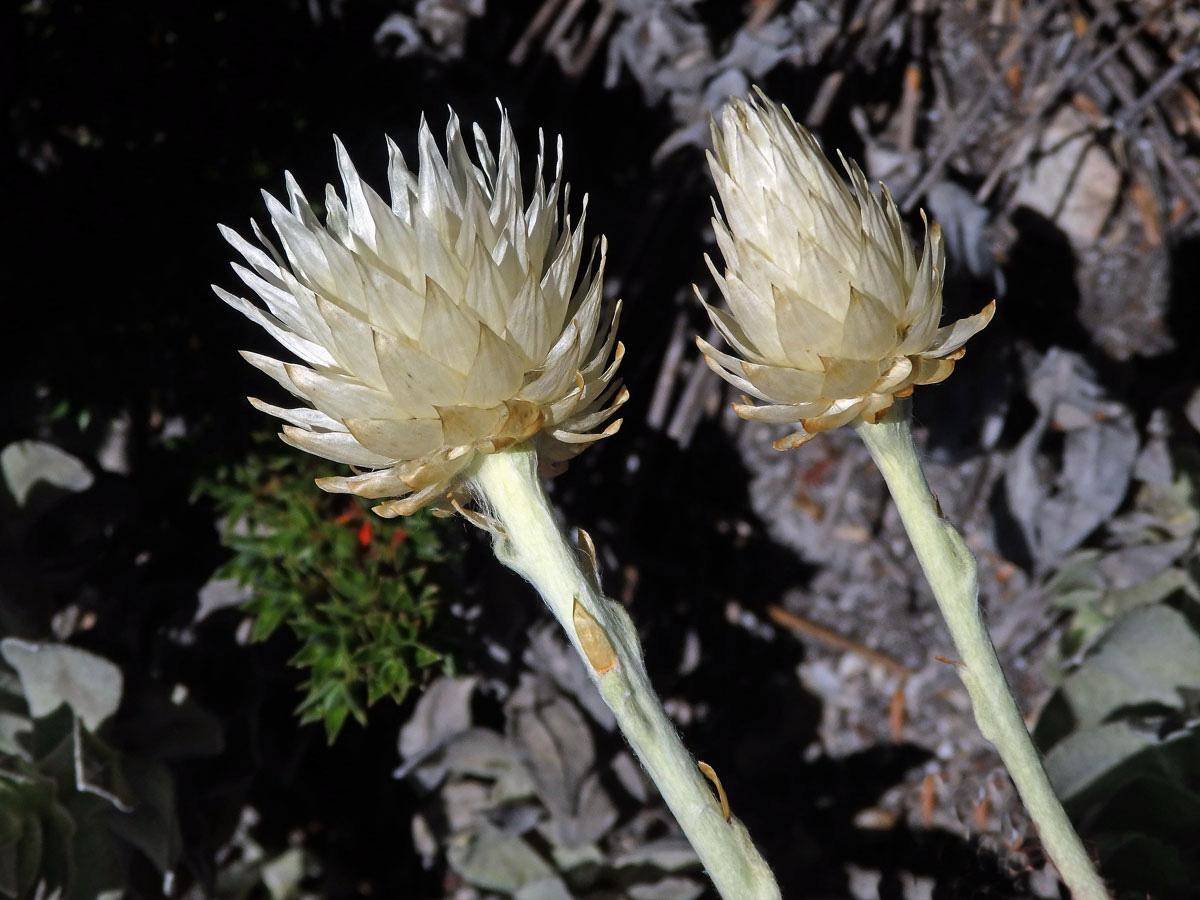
[454, 322]
[833, 316]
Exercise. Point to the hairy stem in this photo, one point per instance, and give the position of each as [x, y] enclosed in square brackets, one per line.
[533, 545]
[951, 571]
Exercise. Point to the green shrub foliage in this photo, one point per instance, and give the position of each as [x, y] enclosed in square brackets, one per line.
[357, 591]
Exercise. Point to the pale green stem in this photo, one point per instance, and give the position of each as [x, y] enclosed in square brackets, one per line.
[952, 574]
[601, 631]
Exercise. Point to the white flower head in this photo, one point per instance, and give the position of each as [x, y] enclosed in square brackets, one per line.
[454, 322]
[833, 315]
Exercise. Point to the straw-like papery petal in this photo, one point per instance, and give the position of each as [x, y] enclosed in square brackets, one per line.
[303, 417]
[459, 319]
[950, 338]
[777, 413]
[335, 445]
[777, 382]
[832, 315]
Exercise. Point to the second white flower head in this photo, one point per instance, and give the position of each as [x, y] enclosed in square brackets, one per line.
[831, 313]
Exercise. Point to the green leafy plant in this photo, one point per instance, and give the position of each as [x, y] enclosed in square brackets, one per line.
[1120, 731]
[356, 591]
[80, 816]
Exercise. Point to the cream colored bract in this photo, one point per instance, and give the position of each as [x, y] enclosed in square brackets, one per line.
[833, 316]
[451, 323]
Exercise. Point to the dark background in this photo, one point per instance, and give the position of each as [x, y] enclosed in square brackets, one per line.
[131, 130]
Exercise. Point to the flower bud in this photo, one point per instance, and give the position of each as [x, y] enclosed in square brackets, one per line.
[831, 314]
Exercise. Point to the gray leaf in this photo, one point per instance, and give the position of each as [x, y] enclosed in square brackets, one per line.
[478, 753]
[99, 770]
[964, 222]
[1064, 388]
[1192, 409]
[552, 738]
[25, 463]
[283, 875]
[1145, 658]
[1058, 510]
[546, 889]
[1078, 582]
[465, 804]
[1084, 757]
[151, 824]
[1153, 590]
[442, 714]
[550, 654]
[667, 889]
[53, 674]
[219, 594]
[496, 861]
[1097, 461]
[1130, 567]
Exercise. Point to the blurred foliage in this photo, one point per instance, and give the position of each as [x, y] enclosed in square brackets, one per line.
[1121, 730]
[115, 779]
[536, 812]
[89, 797]
[355, 589]
[80, 815]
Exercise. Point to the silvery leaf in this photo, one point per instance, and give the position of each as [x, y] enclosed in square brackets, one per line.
[54, 674]
[25, 463]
